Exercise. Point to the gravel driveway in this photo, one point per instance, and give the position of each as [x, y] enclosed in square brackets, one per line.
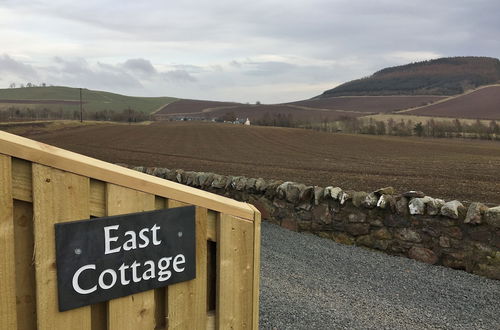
[312, 283]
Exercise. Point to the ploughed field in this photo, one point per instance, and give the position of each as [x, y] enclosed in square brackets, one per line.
[370, 103]
[315, 110]
[268, 112]
[483, 103]
[446, 168]
[213, 109]
[188, 107]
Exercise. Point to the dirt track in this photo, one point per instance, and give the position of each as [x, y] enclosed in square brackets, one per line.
[466, 170]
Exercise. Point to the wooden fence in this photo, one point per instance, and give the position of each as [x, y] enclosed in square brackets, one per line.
[41, 185]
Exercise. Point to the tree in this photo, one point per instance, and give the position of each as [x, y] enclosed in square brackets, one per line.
[229, 116]
[431, 127]
[494, 128]
[12, 85]
[458, 127]
[390, 126]
[418, 129]
[380, 127]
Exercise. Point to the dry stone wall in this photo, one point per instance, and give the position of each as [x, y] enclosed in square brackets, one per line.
[451, 233]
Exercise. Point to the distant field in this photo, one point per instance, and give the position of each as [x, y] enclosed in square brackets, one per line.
[259, 112]
[190, 107]
[369, 103]
[483, 103]
[68, 98]
[448, 168]
[212, 109]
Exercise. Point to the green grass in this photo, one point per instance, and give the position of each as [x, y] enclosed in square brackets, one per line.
[94, 100]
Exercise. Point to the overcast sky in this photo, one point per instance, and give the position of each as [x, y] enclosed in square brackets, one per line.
[269, 51]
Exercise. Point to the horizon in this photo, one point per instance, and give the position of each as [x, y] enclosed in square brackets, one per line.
[258, 102]
[271, 52]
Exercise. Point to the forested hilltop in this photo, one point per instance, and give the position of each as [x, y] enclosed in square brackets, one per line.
[444, 76]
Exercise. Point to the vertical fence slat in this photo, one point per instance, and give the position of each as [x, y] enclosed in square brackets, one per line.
[135, 311]
[187, 301]
[25, 270]
[97, 198]
[22, 192]
[22, 183]
[160, 203]
[212, 225]
[235, 262]
[161, 293]
[256, 266]
[58, 196]
[8, 318]
[99, 311]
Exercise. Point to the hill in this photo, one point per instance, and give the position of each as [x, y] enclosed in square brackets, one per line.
[57, 98]
[263, 114]
[444, 76]
[483, 103]
[186, 107]
[369, 103]
[440, 167]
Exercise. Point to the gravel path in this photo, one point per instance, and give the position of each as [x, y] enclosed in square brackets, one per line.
[312, 283]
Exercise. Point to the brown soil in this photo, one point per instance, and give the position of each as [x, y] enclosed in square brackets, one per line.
[461, 169]
[309, 110]
[186, 107]
[214, 110]
[481, 104]
[369, 103]
[258, 112]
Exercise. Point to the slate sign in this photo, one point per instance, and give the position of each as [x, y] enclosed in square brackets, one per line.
[111, 257]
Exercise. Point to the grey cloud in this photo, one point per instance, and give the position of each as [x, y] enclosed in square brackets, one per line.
[268, 68]
[361, 36]
[189, 68]
[235, 64]
[100, 76]
[140, 66]
[178, 76]
[8, 65]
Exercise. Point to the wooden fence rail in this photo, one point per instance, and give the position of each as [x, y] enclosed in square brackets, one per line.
[42, 185]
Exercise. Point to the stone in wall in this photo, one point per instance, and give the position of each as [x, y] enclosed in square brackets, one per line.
[452, 209]
[475, 213]
[493, 217]
[370, 201]
[423, 254]
[402, 205]
[434, 206]
[332, 192]
[417, 205]
[358, 198]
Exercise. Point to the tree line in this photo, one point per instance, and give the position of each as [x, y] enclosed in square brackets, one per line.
[407, 127]
[403, 127]
[28, 85]
[14, 113]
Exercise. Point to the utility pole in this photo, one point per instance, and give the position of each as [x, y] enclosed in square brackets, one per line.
[81, 107]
